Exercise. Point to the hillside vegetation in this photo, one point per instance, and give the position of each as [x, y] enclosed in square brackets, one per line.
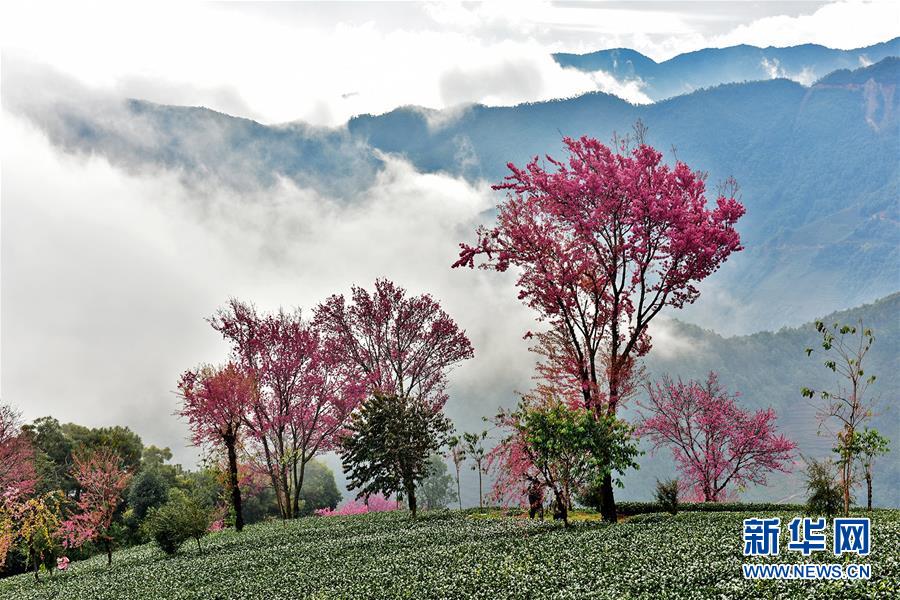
[768, 369]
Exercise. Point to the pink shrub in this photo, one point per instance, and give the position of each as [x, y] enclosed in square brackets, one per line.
[376, 503]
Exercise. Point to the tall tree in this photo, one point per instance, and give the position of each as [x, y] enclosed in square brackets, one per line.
[306, 390]
[216, 403]
[405, 345]
[103, 481]
[716, 444]
[845, 348]
[603, 242]
[388, 443]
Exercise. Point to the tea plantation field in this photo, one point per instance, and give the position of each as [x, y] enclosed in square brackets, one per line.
[464, 555]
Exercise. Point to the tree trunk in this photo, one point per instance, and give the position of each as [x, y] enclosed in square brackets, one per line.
[34, 561]
[236, 502]
[607, 497]
[411, 499]
[869, 489]
[199, 548]
[480, 497]
[845, 485]
[607, 500]
[458, 494]
[108, 552]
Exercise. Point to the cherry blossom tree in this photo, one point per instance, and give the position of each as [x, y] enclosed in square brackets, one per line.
[216, 403]
[102, 481]
[405, 345]
[602, 243]
[17, 473]
[305, 392]
[717, 445]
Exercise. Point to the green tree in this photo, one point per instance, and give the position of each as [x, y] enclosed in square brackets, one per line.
[125, 443]
[181, 518]
[436, 489]
[474, 445]
[844, 348]
[458, 455]
[148, 490]
[319, 489]
[667, 495]
[571, 446]
[389, 441]
[53, 455]
[866, 446]
[825, 493]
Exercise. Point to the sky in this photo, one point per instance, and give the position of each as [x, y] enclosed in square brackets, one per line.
[108, 275]
[324, 62]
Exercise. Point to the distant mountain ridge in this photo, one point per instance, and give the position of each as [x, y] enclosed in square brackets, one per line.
[708, 67]
[817, 165]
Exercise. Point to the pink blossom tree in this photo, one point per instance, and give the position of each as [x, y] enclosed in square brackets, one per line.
[602, 243]
[717, 445]
[17, 474]
[216, 403]
[405, 345]
[102, 481]
[305, 391]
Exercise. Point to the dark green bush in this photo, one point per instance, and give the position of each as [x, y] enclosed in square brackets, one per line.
[825, 496]
[667, 495]
[179, 519]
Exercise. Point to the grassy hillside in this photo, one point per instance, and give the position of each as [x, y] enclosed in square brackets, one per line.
[452, 555]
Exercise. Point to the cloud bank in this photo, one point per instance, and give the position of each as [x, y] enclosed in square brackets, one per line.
[323, 63]
[108, 276]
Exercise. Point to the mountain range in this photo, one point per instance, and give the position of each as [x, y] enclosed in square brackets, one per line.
[691, 71]
[817, 167]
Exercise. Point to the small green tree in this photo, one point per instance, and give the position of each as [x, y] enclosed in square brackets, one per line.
[844, 348]
[866, 446]
[474, 445]
[571, 446]
[388, 444]
[667, 495]
[436, 489]
[319, 489]
[458, 455]
[825, 493]
[181, 518]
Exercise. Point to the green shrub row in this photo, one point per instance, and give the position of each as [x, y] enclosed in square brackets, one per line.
[639, 508]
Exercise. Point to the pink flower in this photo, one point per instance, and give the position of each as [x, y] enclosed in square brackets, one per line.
[376, 503]
[217, 525]
[62, 563]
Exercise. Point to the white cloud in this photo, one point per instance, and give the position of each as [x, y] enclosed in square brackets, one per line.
[843, 25]
[275, 71]
[773, 68]
[107, 278]
[325, 63]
